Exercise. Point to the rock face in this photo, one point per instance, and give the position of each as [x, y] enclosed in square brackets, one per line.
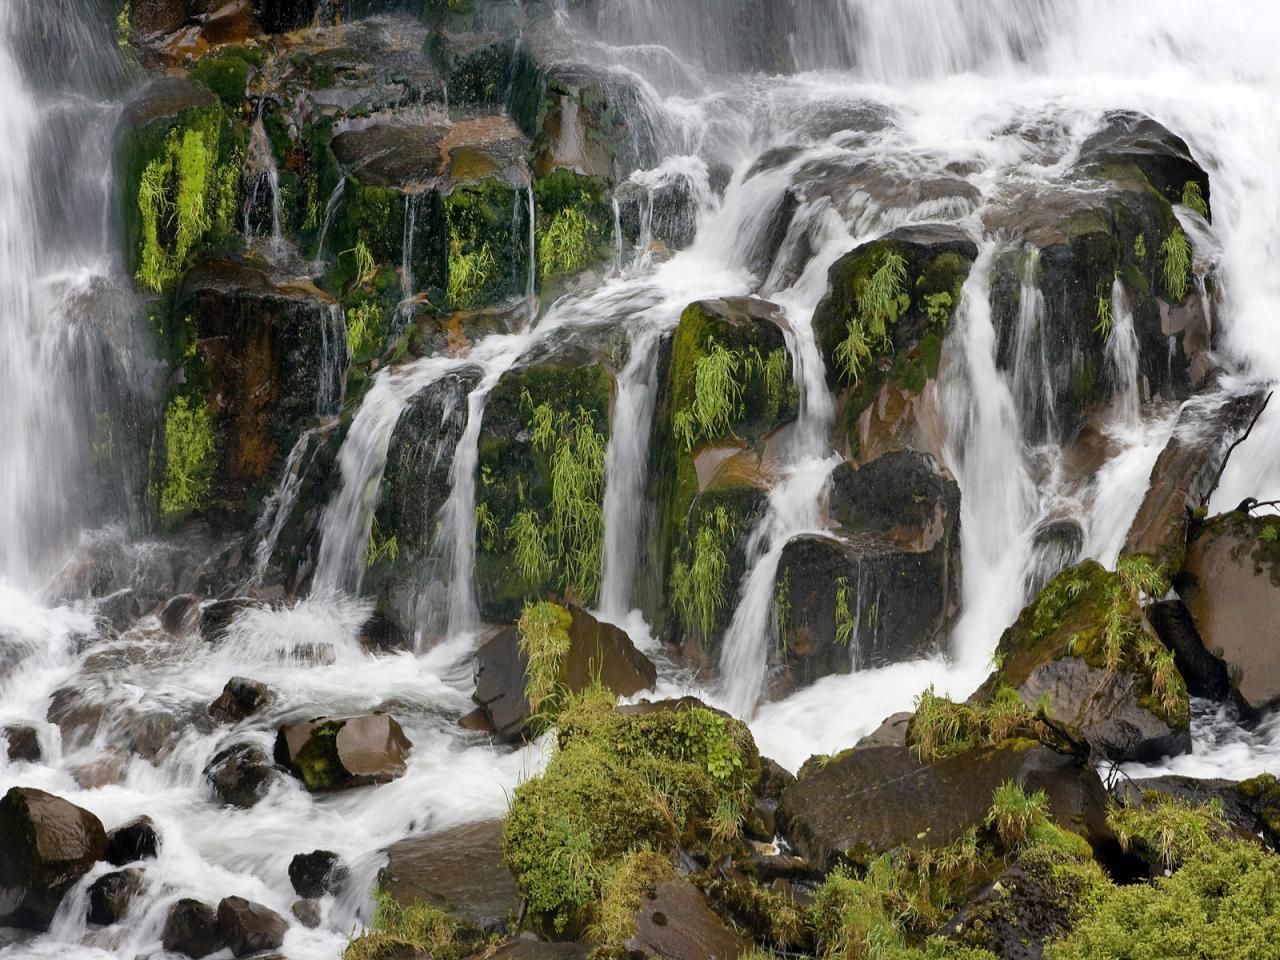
[249, 927]
[1232, 590]
[461, 871]
[888, 589]
[334, 754]
[675, 923]
[111, 894]
[596, 649]
[240, 774]
[48, 845]
[239, 699]
[191, 928]
[872, 799]
[1056, 650]
[136, 840]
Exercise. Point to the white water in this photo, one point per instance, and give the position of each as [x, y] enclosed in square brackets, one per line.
[1210, 76]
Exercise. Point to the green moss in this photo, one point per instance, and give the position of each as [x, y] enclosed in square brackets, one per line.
[942, 728]
[486, 253]
[1169, 831]
[189, 460]
[567, 245]
[544, 643]
[419, 929]
[623, 890]
[317, 761]
[223, 74]
[574, 226]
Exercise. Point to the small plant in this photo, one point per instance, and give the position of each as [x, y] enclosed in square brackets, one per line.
[937, 307]
[1105, 318]
[544, 643]
[363, 320]
[486, 527]
[1140, 246]
[880, 302]
[470, 271]
[366, 267]
[418, 929]
[1175, 261]
[176, 192]
[1193, 198]
[778, 388]
[188, 468]
[1142, 577]
[845, 622]
[1269, 533]
[1013, 812]
[566, 245]
[717, 396]
[1169, 829]
[943, 728]
[698, 588]
[122, 27]
[782, 603]
[381, 547]
[529, 546]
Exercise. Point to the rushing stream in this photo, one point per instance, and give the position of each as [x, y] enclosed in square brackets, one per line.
[952, 78]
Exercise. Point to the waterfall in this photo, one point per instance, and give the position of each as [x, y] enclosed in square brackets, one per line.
[278, 506]
[330, 208]
[407, 287]
[261, 164]
[335, 357]
[1122, 355]
[1033, 378]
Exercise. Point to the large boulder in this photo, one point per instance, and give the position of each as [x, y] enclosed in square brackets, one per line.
[22, 743]
[49, 844]
[460, 870]
[873, 799]
[1231, 586]
[191, 928]
[887, 588]
[675, 923]
[1085, 650]
[334, 754]
[249, 927]
[597, 651]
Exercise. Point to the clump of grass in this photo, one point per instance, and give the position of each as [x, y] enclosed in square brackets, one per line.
[1143, 577]
[1193, 198]
[942, 728]
[529, 546]
[845, 622]
[778, 388]
[363, 322]
[1014, 811]
[471, 267]
[1175, 264]
[419, 929]
[566, 245]
[623, 889]
[1140, 247]
[1169, 830]
[189, 447]
[717, 396]
[577, 503]
[380, 546]
[698, 588]
[881, 300]
[544, 642]
[1105, 317]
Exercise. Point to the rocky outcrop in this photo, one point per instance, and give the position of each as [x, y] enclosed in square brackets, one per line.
[22, 743]
[675, 923]
[597, 651]
[191, 928]
[240, 774]
[49, 844]
[460, 870]
[336, 754]
[317, 873]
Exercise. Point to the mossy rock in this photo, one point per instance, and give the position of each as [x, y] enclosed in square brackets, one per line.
[574, 226]
[1129, 139]
[516, 494]
[1085, 645]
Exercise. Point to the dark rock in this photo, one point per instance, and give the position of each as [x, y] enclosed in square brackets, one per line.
[307, 913]
[136, 840]
[774, 778]
[281, 16]
[191, 928]
[873, 799]
[461, 871]
[1251, 807]
[111, 894]
[316, 873]
[334, 754]
[216, 615]
[1187, 471]
[598, 651]
[526, 947]
[891, 733]
[249, 927]
[1134, 138]
[1205, 674]
[240, 774]
[675, 923]
[1232, 590]
[239, 699]
[23, 743]
[48, 845]
[177, 613]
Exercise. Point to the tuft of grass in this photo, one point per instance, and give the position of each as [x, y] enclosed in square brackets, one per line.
[1193, 198]
[529, 546]
[1175, 264]
[363, 322]
[698, 588]
[881, 301]
[417, 930]
[622, 892]
[1105, 317]
[566, 245]
[188, 465]
[381, 547]
[717, 396]
[471, 267]
[1013, 813]
[544, 642]
[844, 617]
[942, 728]
[1169, 830]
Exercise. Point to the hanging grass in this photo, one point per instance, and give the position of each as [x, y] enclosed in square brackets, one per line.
[381, 547]
[529, 546]
[567, 244]
[881, 301]
[188, 468]
[845, 622]
[363, 322]
[1105, 317]
[544, 643]
[698, 588]
[778, 388]
[1175, 262]
[1193, 198]
[470, 271]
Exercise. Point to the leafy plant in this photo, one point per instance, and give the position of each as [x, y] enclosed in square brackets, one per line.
[1175, 261]
[381, 547]
[698, 587]
[881, 300]
[567, 244]
[845, 622]
[937, 308]
[1193, 198]
[486, 527]
[1105, 318]
[188, 467]
[176, 192]
[470, 270]
[363, 320]
[717, 396]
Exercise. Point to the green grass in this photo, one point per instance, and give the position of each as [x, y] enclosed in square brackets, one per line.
[189, 449]
[364, 322]
[1014, 811]
[380, 546]
[471, 267]
[699, 587]
[1104, 317]
[1169, 830]
[398, 931]
[529, 546]
[717, 396]
[942, 728]
[845, 623]
[1193, 198]
[1175, 264]
[881, 301]
[544, 642]
[567, 245]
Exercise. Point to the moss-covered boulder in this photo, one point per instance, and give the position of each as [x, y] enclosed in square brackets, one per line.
[887, 588]
[886, 312]
[1231, 585]
[571, 832]
[540, 489]
[1250, 807]
[178, 164]
[1084, 650]
[1127, 139]
[574, 227]
[335, 754]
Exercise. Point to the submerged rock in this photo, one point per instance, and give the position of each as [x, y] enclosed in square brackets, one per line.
[49, 844]
[240, 698]
[111, 895]
[335, 754]
[22, 743]
[316, 873]
[240, 774]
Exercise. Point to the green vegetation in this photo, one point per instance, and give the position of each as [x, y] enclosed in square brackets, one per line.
[942, 728]
[1168, 830]
[364, 321]
[1105, 318]
[1140, 247]
[529, 546]
[1175, 264]
[366, 268]
[779, 391]
[717, 396]
[1193, 198]
[380, 546]
[544, 642]
[698, 588]
[188, 465]
[881, 300]
[845, 622]
[622, 892]
[122, 27]
[419, 929]
[470, 270]
[177, 194]
[618, 785]
[937, 307]
[567, 245]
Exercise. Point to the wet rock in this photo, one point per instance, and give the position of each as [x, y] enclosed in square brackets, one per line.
[307, 913]
[891, 733]
[335, 754]
[1232, 590]
[317, 873]
[111, 894]
[191, 928]
[1205, 674]
[281, 16]
[1252, 807]
[675, 923]
[873, 799]
[461, 871]
[1056, 650]
[240, 774]
[240, 698]
[110, 768]
[177, 615]
[136, 840]
[1187, 471]
[49, 844]
[22, 743]
[249, 927]
[597, 651]
[216, 615]
[528, 947]
[1129, 138]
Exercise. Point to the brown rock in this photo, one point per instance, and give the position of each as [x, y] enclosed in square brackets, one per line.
[240, 698]
[675, 923]
[249, 927]
[191, 927]
[111, 894]
[334, 754]
[23, 743]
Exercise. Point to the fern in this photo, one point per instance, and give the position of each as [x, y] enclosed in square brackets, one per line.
[529, 546]
[1105, 317]
[698, 587]
[881, 301]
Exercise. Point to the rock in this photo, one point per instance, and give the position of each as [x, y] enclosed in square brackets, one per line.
[1205, 674]
[675, 923]
[249, 927]
[49, 844]
[136, 840]
[1133, 138]
[240, 774]
[597, 651]
[1252, 807]
[316, 873]
[239, 699]
[891, 733]
[873, 799]
[111, 894]
[109, 769]
[334, 754]
[307, 913]
[177, 614]
[22, 743]
[1232, 591]
[1186, 473]
[527, 947]
[460, 870]
[216, 615]
[1056, 650]
[191, 928]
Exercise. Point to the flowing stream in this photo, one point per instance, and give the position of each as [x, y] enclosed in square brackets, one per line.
[898, 92]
